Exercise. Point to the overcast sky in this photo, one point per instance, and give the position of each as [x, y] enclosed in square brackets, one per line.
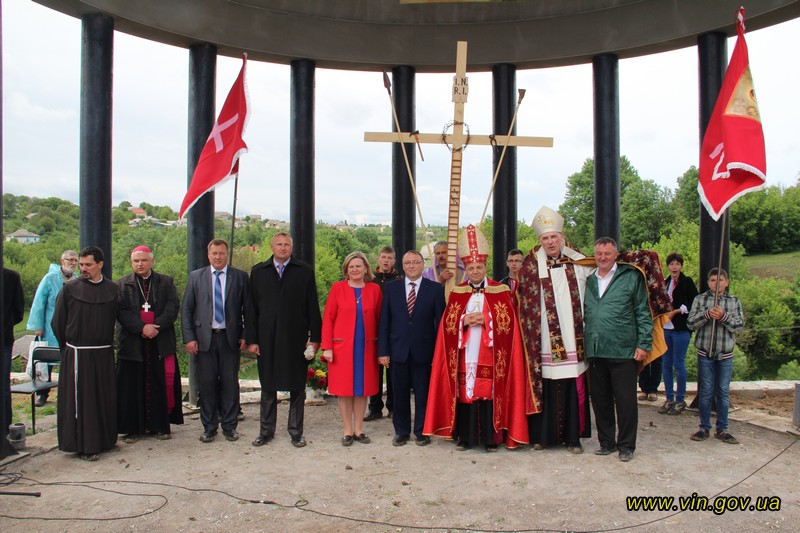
[658, 119]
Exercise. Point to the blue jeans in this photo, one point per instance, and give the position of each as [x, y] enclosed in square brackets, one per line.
[675, 358]
[714, 378]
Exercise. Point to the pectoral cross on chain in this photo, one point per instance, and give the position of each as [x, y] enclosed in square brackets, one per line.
[146, 306]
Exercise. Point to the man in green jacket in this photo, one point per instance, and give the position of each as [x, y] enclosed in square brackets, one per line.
[618, 333]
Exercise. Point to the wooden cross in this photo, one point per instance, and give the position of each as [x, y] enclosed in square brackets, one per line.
[457, 141]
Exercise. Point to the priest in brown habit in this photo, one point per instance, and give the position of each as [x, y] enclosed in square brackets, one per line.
[148, 379]
[83, 323]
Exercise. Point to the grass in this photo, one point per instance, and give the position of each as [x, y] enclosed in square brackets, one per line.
[21, 410]
[784, 266]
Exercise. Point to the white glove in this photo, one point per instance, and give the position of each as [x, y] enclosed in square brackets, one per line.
[310, 352]
[684, 310]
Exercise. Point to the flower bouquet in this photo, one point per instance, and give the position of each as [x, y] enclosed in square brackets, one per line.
[316, 383]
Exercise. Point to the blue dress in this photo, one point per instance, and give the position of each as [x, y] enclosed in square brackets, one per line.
[358, 348]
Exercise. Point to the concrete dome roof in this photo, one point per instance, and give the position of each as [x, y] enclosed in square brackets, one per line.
[381, 34]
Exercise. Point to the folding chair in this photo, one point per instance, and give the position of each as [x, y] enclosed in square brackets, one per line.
[44, 354]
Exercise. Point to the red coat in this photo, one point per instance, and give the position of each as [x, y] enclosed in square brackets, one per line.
[512, 387]
[338, 331]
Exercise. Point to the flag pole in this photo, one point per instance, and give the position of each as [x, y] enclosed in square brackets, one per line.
[233, 218]
[521, 93]
[388, 85]
[716, 289]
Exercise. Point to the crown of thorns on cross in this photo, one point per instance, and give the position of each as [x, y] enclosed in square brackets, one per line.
[446, 130]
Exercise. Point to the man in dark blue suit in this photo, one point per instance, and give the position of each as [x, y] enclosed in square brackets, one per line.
[412, 308]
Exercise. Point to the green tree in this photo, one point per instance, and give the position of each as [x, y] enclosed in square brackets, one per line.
[767, 221]
[368, 238]
[578, 207]
[644, 213]
[686, 201]
[769, 321]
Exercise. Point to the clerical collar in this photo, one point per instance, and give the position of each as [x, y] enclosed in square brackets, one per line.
[95, 282]
[479, 287]
[150, 273]
[557, 262]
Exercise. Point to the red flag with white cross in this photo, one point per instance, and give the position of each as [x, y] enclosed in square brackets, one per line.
[219, 160]
[733, 159]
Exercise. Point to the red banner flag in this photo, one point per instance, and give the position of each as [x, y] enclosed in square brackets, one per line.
[733, 160]
[219, 160]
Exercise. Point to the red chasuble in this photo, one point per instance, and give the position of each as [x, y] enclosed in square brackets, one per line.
[505, 374]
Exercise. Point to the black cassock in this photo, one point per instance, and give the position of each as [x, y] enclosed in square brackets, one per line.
[83, 323]
[142, 391]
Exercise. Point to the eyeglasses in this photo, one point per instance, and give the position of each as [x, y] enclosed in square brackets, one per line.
[409, 263]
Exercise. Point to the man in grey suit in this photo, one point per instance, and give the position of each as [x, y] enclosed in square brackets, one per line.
[212, 317]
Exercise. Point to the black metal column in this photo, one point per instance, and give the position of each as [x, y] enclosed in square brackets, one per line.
[302, 160]
[200, 229]
[504, 201]
[404, 213]
[97, 63]
[606, 146]
[712, 52]
[5, 447]
[202, 115]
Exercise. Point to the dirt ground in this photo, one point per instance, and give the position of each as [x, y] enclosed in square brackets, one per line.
[184, 485]
[781, 405]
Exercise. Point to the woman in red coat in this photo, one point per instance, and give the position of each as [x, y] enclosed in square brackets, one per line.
[349, 341]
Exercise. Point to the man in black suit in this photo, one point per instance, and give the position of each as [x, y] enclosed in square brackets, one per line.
[213, 314]
[282, 323]
[412, 308]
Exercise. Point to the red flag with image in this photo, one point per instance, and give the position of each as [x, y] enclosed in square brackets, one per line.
[733, 159]
[219, 160]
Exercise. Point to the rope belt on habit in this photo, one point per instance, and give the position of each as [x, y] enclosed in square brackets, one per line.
[77, 349]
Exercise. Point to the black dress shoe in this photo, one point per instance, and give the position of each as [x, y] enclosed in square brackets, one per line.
[399, 441]
[298, 442]
[373, 415]
[602, 450]
[462, 446]
[422, 441]
[625, 455]
[262, 440]
[208, 436]
[230, 435]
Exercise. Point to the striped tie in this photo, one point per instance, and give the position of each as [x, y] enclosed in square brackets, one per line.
[412, 297]
[219, 305]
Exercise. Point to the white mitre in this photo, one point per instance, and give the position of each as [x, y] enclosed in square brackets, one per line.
[546, 221]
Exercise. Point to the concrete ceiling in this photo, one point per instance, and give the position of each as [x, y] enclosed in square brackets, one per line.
[381, 34]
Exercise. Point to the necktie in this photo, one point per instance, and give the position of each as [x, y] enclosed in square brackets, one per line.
[280, 268]
[219, 305]
[412, 297]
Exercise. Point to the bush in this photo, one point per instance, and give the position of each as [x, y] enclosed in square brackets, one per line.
[789, 371]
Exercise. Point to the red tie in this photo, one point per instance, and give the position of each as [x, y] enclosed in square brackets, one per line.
[412, 297]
